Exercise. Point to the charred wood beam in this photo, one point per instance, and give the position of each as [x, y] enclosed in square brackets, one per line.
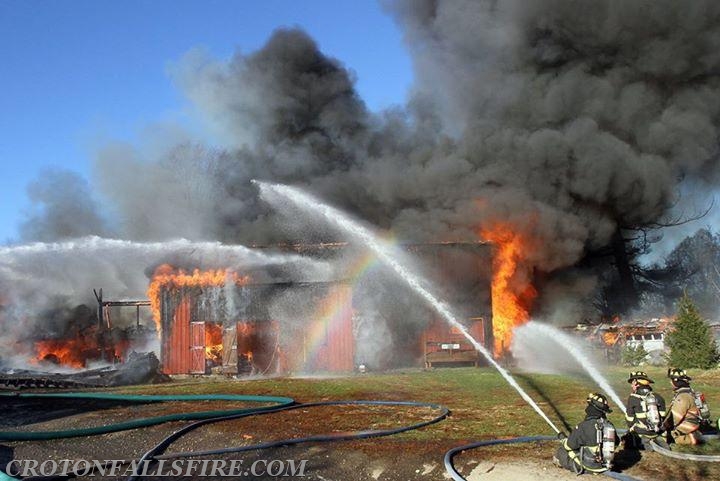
[100, 313]
[260, 285]
[125, 303]
[103, 309]
[41, 382]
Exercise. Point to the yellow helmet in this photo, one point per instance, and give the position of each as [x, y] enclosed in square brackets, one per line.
[675, 373]
[599, 401]
[641, 377]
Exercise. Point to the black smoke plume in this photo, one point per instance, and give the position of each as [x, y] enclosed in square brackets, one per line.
[567, 120]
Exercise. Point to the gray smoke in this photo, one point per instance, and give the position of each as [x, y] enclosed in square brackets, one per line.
[63, 207]
[566, 119]
[576, 117]
[168, 197]
[591, 111]
[389, 320]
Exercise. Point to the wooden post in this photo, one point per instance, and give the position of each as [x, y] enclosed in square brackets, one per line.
[100, 316]
[106, 314]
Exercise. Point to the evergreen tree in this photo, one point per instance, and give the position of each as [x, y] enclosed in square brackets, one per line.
[634, 356]
[691, 341]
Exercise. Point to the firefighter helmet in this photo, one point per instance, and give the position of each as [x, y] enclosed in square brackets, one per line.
[599, 401]
[641, 377]
[678, 374]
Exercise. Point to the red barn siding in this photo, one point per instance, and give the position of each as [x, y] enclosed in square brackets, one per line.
[175, 350]
[325, 343]
[336, 351]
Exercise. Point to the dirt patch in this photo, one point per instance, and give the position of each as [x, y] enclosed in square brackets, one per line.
[517, 470]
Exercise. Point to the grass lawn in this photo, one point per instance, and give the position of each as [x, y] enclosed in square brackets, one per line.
[492, 406]
[482, 404]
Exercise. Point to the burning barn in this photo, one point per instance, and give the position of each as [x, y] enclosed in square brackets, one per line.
[613, 336]
[91, 337]
[277, 320]
[222, 322]
[227, 328]
[648, 333]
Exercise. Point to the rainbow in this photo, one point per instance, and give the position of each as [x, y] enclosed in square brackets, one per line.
[333, 311]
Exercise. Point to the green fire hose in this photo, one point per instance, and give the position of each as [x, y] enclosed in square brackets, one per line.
[273, 402]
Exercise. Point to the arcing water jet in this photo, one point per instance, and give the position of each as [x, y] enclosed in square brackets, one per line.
[568, 343]
[385, 253]
[231, 254]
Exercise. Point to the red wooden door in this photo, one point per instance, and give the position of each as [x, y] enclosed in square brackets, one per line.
[197, 347]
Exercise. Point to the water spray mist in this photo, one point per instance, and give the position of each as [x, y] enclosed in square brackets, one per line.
[385, 254]
[568, 343]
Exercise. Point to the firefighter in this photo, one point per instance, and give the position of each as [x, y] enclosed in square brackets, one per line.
[645, 410]
[591, 445]
[683, 420]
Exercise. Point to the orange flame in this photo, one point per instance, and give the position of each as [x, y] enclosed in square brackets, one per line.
[76, 352]
[213, 342]
[512, 291]
[167, 276]
[68, 352]
[611, 338]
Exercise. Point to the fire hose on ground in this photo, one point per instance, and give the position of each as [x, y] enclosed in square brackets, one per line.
[278, 404]
[450, 467]
[450, 455]
[144, 422]
[705, 458]
[156, 453]
[210, 417]
[138, 423]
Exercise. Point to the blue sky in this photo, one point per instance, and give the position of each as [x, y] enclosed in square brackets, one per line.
[79, 73]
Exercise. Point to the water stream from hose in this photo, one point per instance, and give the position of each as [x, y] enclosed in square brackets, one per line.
[274, 193]
[569, 344]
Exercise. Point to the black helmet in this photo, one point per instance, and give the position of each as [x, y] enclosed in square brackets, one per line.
[599, 401]
[641, 377]
[677, 374]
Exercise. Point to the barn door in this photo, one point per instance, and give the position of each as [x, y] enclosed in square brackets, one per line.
[197, 348]
[229, 352]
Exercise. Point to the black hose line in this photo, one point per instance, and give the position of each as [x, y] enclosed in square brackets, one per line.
[450, 467]
[448, 459]
[156, 453]
[444, 412]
